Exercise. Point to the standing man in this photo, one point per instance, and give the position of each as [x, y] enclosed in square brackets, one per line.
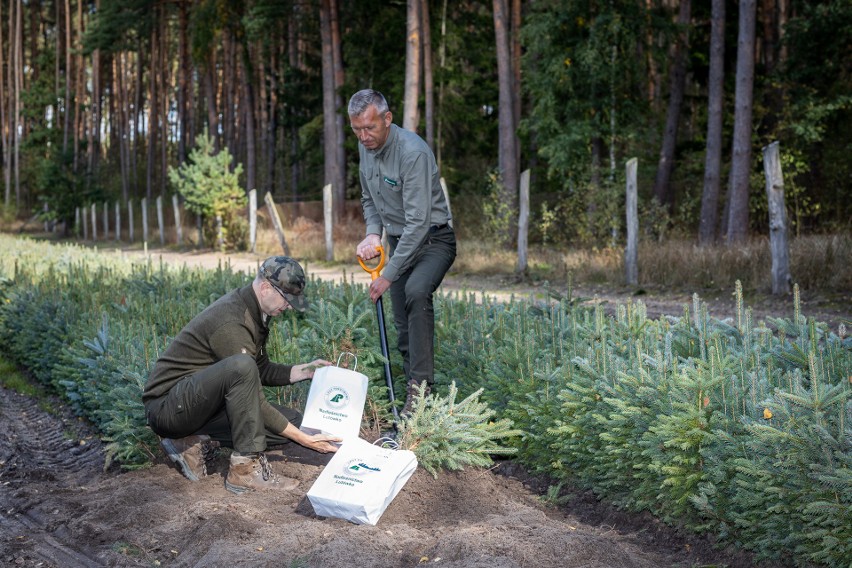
[401, 193]
[207, 387]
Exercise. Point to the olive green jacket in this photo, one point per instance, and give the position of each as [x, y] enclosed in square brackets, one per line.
[231, 325]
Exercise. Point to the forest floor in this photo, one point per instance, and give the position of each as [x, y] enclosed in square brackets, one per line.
[59, 507]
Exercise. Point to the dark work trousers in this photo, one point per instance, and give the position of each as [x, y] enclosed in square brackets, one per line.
[222, 401]
[411, 294]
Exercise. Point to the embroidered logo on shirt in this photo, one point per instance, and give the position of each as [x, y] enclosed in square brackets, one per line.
[391, 182]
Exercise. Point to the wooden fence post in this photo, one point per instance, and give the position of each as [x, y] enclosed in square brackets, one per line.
[252, 219]
[631, 252]
[178, 227]
[145, 221]
[328, 216]
[94, 222]
[778, 240]
[85, 224]
[160, 222]
[220, 237]
[130, 220]
[105, 215]
[447, 197]
[117, 220]
[523, 221]
[276, 221]
[77, 221]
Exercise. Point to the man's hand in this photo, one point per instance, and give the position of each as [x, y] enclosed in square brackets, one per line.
[378, 287]
[322, 443]
[306, 370]
[367, 248]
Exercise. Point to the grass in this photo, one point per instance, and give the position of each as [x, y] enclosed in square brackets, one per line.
[12, 379]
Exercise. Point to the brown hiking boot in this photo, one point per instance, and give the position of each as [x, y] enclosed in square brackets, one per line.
[252, 472]
[412, 392]
[191, 454]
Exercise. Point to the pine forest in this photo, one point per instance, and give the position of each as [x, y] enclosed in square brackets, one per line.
[101, 98]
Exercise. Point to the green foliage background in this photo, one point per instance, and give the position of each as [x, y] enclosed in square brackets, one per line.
[738, 428]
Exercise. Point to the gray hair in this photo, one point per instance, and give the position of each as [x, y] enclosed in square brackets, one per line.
[364, 98]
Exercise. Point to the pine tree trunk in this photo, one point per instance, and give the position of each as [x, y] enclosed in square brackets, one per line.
[4, 126]
[19, 70]
[411, 93]
[339, 149]
[227, 86]
[741, 160]
[662, 182]
[715, 100]
[67, 126]
[271, 130]
[248, 116]
[151, 137]
[80, 86]
[329, 98]
[428, 80]
[508, 142]
[165, 78]
[516, 66]
[210, 95]
[184, 80]
[293, 54]
[442, 61]
[119, 120]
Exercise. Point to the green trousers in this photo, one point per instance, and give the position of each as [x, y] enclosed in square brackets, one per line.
[222, 401]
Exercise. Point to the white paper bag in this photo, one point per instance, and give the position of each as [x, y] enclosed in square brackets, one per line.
[360, 481]
[335, 402]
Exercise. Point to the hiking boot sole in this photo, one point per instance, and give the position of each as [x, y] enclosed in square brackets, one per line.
[176, 457]
[239, 489]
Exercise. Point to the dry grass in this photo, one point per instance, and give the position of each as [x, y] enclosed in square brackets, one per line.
[817, 263]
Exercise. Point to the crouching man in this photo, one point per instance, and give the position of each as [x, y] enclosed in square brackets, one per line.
[206, 389]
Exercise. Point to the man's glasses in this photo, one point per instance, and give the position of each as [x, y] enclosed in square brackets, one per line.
[274, 287]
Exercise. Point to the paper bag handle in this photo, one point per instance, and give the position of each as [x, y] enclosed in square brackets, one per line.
[351, 355]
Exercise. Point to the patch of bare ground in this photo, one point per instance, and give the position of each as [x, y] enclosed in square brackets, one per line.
[59, 508]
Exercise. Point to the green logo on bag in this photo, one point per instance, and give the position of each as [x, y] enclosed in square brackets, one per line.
[336, 397]
[358, 466]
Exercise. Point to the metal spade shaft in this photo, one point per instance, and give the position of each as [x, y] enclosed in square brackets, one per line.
[383, 335]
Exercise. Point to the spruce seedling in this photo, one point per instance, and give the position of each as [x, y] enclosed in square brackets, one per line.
[445, 434]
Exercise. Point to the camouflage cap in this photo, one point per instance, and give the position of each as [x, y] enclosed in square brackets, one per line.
[286, 275]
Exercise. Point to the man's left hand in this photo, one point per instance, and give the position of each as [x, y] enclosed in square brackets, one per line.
[306, 370]
[378, 287]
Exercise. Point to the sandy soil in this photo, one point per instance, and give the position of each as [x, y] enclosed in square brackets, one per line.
[60, 508]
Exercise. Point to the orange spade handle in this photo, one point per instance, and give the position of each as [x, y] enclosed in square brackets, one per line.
[374, 272]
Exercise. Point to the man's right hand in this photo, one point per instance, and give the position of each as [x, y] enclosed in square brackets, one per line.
[367, 248]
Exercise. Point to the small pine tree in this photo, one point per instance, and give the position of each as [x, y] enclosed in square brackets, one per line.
[444, 434]
[210, 189]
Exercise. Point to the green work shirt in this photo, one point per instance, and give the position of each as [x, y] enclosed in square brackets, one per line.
[231, 325]
[401, 191]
